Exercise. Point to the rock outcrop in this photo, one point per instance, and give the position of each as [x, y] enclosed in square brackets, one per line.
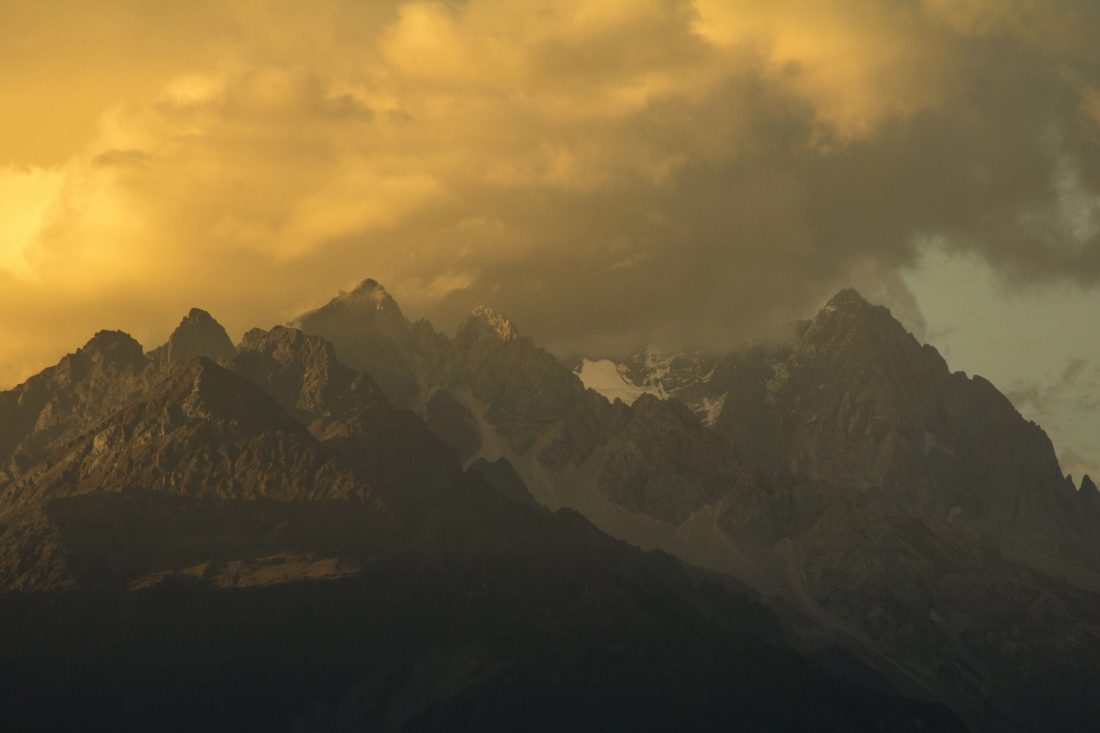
[197, 335]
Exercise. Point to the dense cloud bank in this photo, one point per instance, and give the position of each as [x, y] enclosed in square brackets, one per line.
[606, 173]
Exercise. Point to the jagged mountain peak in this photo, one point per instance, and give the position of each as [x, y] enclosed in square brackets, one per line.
[301, 370]
[1088, 486]
[284, 338]
[370, 285]
[372, 294]
[199, 388]
[370, 334]
[849, 309]
[853, 330]
[848, 299]
[201, 431]
[250, 338]
[199, 315]
[77, 391]
[486, 321]
[368, 298]
[114, 347]
[350, 314]
[199, 334]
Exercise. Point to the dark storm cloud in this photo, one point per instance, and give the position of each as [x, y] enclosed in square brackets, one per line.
[606, 173]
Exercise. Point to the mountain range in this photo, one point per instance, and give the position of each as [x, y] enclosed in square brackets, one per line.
[355, 522]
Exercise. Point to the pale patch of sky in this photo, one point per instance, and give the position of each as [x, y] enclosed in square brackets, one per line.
[1039, 344]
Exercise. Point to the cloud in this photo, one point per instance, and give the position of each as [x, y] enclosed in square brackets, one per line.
[607, 173]
[1066, 404]
[1074, 388]
[1078, 466]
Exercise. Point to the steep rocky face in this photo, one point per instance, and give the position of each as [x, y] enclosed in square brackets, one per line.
[490, 371]
[90, 384]
[303, 374]
[347, 410]
[664, 464]
[859, 402]
[197, 335]
[745, 415]
[83, 387]
[847, 470]
[503, 477]
[849, 398]
[852, 399]
[910, 512]
[34, 555]
[453, 423]
[667, 374]
[203, 431]
[1089, 499]
[371, 334]
[1003, 643]
[205, 507]
[530, 397]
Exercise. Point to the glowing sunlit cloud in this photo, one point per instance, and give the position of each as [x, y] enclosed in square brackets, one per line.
[26, 197]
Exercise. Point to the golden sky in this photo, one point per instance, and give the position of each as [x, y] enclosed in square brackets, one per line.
[608, 173]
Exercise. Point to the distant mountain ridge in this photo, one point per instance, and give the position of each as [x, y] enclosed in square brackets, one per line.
[795, 466]
[904, 527]
[256, 537]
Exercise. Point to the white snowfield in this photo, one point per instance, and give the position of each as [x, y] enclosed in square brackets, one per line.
[604, 376]
[610, 380]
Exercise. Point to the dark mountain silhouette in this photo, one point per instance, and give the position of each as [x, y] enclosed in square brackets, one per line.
[107, 371]
[198, 334]
[845, 469]
[268, 543]
[371, 334]
[358, 522]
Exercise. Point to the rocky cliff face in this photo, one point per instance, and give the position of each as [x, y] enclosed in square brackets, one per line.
[269, 543]
[663, 464]
[347, 410]
[859, 402]
[888, 507]
[103, 375]
[848, 398]
[202, 432]
[88, 385]
[531, 400]
[371, 334]
[843, 467]
[197, 335]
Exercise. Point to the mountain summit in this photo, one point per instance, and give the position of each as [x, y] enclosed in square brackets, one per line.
[370, 334]
[371, 294]
[198, 335]
[483, 321]
[368, 302]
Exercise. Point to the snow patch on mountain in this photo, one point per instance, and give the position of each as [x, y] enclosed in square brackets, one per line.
[709, 408]
[607, 378]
